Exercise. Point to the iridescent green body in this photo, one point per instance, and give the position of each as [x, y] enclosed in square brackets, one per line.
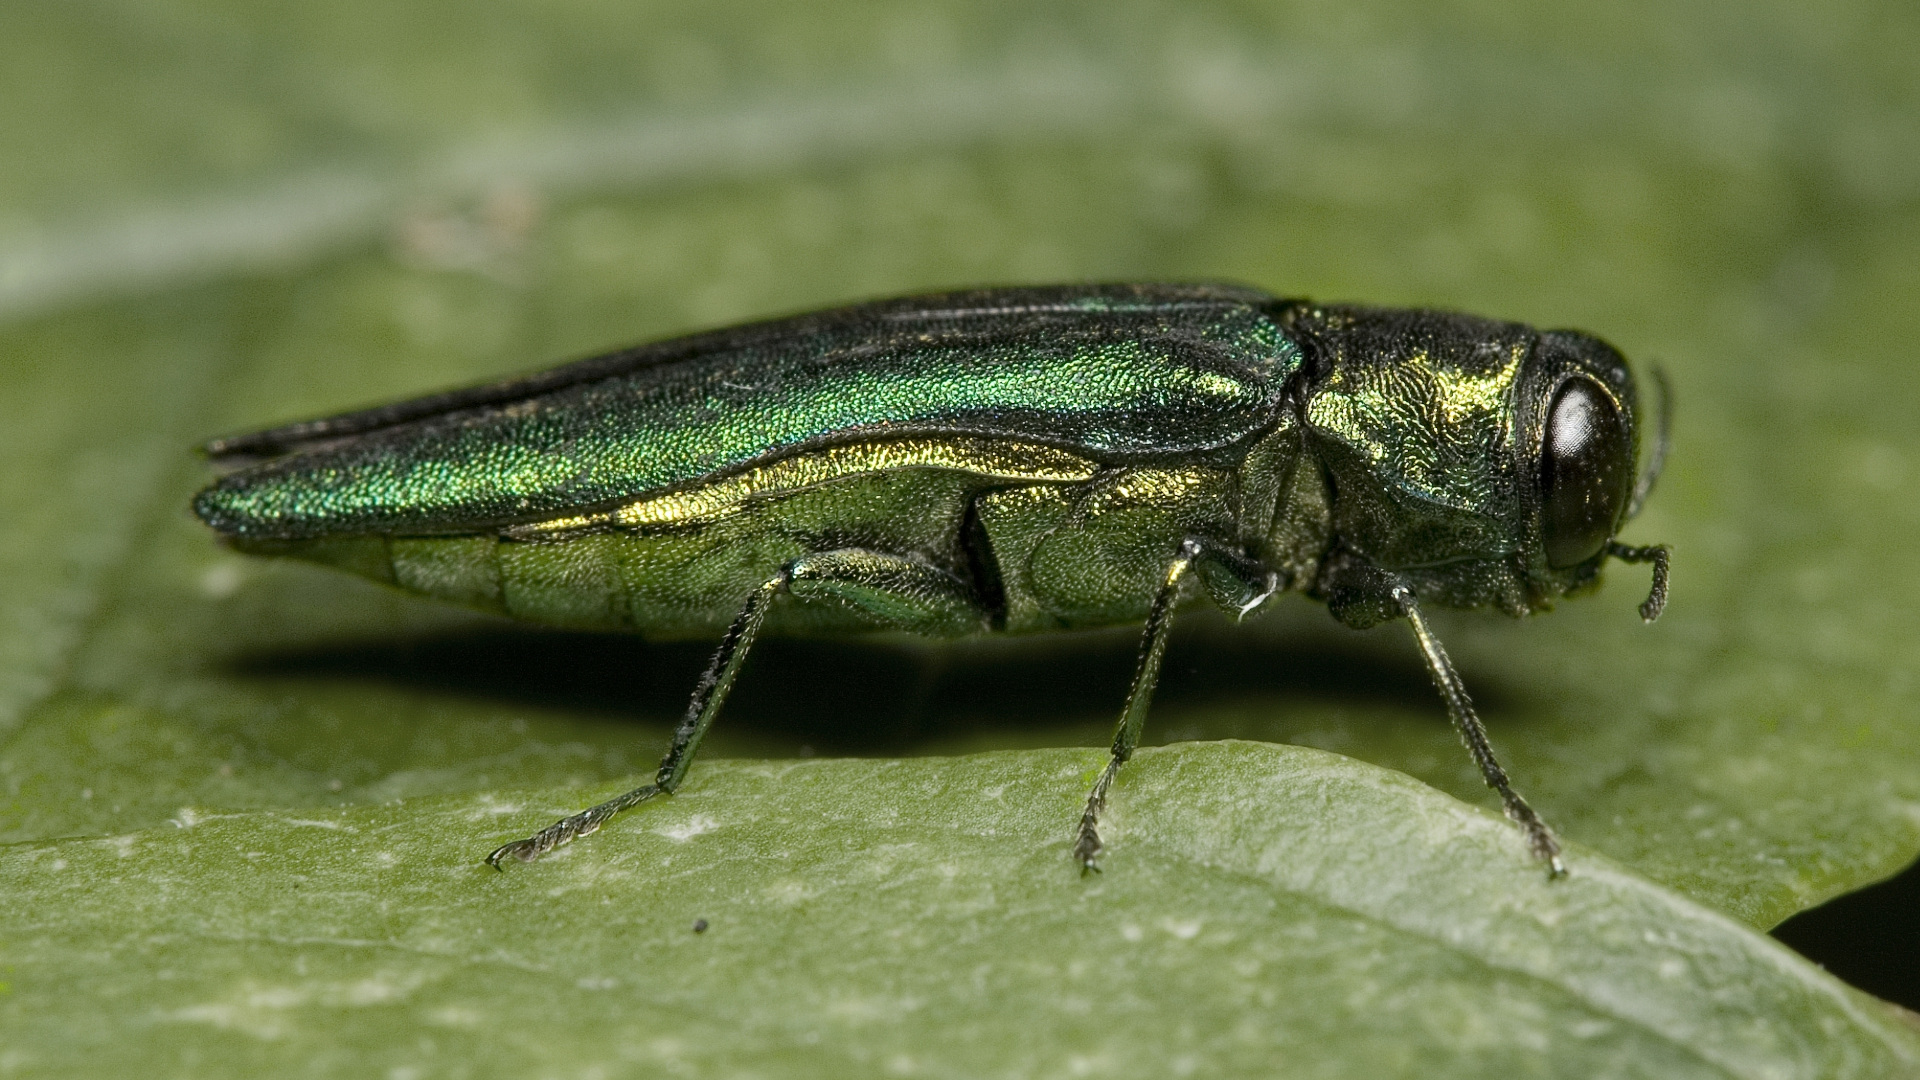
[1008, 460]
[1126, 380]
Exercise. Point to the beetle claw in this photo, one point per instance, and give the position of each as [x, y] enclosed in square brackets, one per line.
[522, 850]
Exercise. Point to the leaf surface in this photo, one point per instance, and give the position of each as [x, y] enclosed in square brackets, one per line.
[1264, 905]
[232, 215]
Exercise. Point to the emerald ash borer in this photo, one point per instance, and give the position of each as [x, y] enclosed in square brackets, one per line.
[997, 461]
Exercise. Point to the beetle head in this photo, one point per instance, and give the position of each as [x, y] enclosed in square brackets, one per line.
[1578, 430]
[1485, 463]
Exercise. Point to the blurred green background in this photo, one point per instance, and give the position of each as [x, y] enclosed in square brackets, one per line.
[215, 216]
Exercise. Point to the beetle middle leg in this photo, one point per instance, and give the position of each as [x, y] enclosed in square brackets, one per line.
[899, 591]
[1236, 583]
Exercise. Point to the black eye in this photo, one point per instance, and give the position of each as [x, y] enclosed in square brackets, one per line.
[1586, 463]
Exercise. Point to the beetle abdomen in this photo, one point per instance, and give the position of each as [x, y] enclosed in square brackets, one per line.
[681, 578]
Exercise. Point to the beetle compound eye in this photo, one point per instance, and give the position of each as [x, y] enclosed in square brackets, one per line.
[1586, 463]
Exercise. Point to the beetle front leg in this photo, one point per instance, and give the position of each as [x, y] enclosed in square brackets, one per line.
[1235, 582]
[1540, 839]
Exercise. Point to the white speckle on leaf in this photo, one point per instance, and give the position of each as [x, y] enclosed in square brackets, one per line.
[1090, 1065]
[1184, 929]
[455, 1016]
[866, 1009]
[1590, 1029]
[687, 830]
[789, 892]
[223, 579]
[315, 824]
[372, 992]
[260, 1025]
[1130, 932]
[491, 806]
[255, 1010]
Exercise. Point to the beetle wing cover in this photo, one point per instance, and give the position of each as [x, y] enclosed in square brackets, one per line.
[1118, 373]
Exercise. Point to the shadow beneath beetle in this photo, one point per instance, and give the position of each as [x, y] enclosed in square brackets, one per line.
[897, 696]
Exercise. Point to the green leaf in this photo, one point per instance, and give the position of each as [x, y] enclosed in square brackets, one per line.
[1263, 905]
[216, 218]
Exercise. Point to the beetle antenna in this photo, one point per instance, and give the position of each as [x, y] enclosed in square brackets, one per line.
[1656, 600]
[1663, 438]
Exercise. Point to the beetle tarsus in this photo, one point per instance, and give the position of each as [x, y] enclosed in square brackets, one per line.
[568, 829]
[1087, 845]
[1540, 839]
[1086, 851]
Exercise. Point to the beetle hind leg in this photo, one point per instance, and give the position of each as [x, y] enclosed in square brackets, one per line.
[895, 590]
[900, 592]
[708, 694]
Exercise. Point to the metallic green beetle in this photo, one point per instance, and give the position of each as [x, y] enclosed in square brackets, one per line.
[997, 461]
